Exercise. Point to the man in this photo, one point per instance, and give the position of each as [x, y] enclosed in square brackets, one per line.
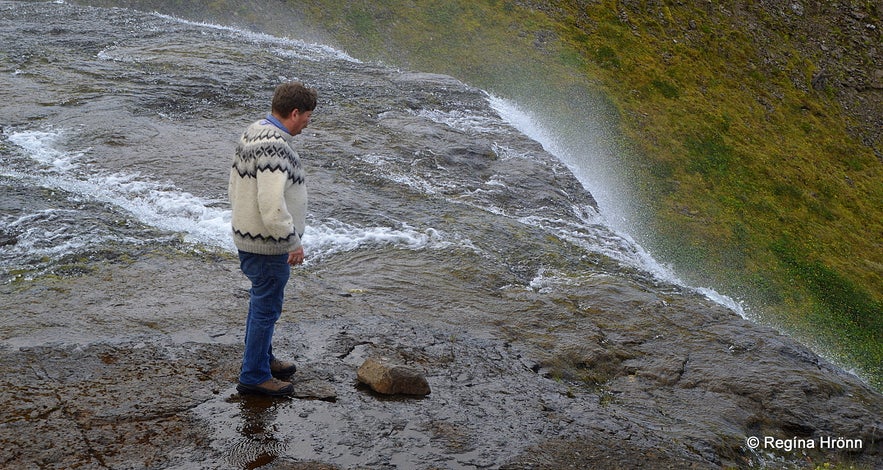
[268, 196]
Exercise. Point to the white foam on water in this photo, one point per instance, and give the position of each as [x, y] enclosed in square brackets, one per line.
[287, 46]
[607, 241]
[165, 207]
[40, 147]
[202, 221]
[333, 236]
[506, 153]
[46, 233]
[302, 49]
[374, 159]
[460, 120]
[160, 205]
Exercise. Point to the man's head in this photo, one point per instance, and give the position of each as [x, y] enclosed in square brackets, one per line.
[294, 95]
[293, 105]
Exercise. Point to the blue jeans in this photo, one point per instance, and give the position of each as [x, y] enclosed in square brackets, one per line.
[268, 275]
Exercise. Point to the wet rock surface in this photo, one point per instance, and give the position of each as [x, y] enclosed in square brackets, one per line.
[613, 377]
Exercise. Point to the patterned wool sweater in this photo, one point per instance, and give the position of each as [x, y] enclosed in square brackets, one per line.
[267, 192]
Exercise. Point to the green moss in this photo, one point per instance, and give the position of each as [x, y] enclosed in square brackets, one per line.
[361, 22]
[569, 58]
[840, 309]
[709, 155]
[667, 89]
[443, 14]
[606, 57]
[832, 290]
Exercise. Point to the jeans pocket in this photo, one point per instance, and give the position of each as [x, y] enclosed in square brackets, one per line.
[259, 268]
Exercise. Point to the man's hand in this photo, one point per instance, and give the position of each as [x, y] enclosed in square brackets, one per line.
[296, 256]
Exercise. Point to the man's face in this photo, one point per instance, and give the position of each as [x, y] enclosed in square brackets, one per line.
[298, 121]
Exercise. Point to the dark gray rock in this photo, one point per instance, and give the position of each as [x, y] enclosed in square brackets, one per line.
[7, 238]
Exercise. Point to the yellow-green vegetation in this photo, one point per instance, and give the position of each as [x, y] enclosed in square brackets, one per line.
[754, 173]
[753, 177]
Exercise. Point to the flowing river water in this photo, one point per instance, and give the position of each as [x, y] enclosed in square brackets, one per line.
[438, 232]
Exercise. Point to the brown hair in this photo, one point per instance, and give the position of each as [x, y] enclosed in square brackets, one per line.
[294, 95]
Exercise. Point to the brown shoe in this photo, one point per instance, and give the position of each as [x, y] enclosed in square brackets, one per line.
[282, 369]
[273, 387]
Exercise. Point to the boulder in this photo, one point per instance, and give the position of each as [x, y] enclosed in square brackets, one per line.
[389, 378]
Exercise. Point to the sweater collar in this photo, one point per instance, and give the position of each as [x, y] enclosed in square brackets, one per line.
[276, 122]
